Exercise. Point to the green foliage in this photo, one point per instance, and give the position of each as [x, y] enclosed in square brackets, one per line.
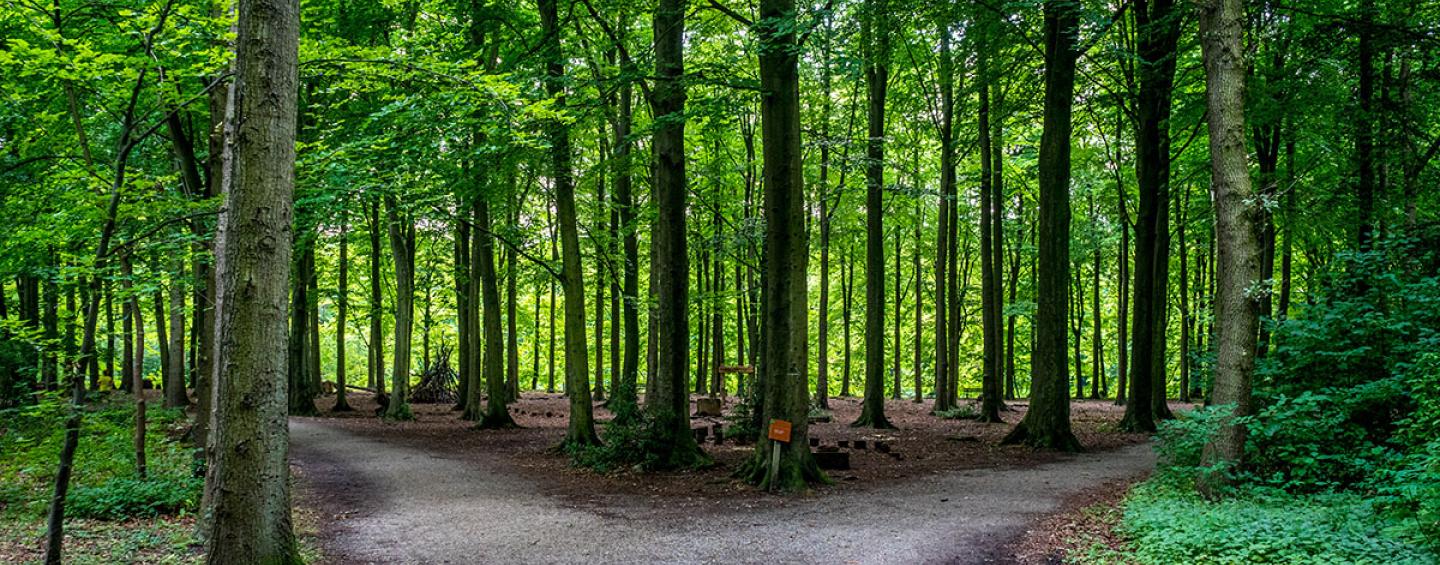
[627, 445]
[125, 497]
[1342, 458]
[1182, 443]
[1410, 490]
[1173, 525]
[104, 484]
[632, 443]
[961, 412]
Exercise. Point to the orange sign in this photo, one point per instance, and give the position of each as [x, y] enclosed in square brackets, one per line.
[780, 431]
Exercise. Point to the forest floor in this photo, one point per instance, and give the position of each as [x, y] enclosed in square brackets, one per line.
[434, 491]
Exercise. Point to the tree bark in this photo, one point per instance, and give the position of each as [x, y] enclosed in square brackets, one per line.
[175, 395]
[1158, 30]
[875, 34]
[342, 310]
[667, 400]
[943, 243]
[1047, 423]
[581, 430]
[401, 227]
[377, 305]
[1236, 227]
[496, 415]
[248, 483]
[783, 362]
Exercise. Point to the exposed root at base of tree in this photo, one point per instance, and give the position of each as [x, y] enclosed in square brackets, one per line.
[1058, 440]
[502, 422]
[794, 476]
[868, 419]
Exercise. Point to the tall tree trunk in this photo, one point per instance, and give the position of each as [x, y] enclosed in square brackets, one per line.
[1047, 423]
[300, 395]
[1158, 30]
[875, 34]
[581, 429]
[463, 309]
[822, 338]
[138, 372]
[895, 388]
[175, 395]
[1010, 320]
[477, 342]
[1097, 350]
[783, 363]
[943, 243]
[625, 200]
[162, 337]
[312, 346]
[600, 283]
[1236, 227]
[917, 368]
[401, 227]
[512, 337]
[989, 244]
[554, 256]
[847, 284]
[248, 484]
[495, 415]
[342, 310]
[377, 305]
[666, 400]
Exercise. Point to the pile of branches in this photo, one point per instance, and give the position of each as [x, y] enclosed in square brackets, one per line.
[438, 382]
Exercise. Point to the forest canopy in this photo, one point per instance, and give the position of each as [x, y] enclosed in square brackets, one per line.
[980, 206]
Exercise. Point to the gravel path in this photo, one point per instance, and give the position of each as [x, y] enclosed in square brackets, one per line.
[410, 505]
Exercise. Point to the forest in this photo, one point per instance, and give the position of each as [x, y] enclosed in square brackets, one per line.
[1081, 281]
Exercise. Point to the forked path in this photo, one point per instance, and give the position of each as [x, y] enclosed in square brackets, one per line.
[408, 504]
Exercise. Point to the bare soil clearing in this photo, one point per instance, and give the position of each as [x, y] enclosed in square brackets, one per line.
[434, 491]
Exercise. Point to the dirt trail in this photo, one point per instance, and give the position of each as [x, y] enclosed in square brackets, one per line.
[406, 504]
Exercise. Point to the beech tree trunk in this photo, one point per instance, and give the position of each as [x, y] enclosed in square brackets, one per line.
[342, 310]
[783, 362]
[248, 483]
[581, 429]
[667, 399]
[401, 226]
[1222, 28]
[875, 34]
[1047, 423]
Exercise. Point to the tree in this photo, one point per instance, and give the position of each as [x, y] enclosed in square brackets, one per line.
[667, 400]
[990, 243]
[783, 360]
[401, 225]
[1237, 247]
[342, 308]
[495, 415]
[1158, 30]
[248, 481]
[875, 33]
[1047, 423]
[581, 431]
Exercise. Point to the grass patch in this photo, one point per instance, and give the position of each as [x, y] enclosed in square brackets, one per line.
[113, 516]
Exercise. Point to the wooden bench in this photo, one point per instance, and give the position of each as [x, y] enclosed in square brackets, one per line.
[974, 392]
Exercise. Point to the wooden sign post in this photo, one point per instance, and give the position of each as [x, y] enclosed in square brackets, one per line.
[779, 433]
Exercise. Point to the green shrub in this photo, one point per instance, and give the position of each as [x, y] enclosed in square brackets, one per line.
[120, 498]
[104, 484]
[1410, 490]
[1181, 442]
[1167, 525]
[961, 412]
